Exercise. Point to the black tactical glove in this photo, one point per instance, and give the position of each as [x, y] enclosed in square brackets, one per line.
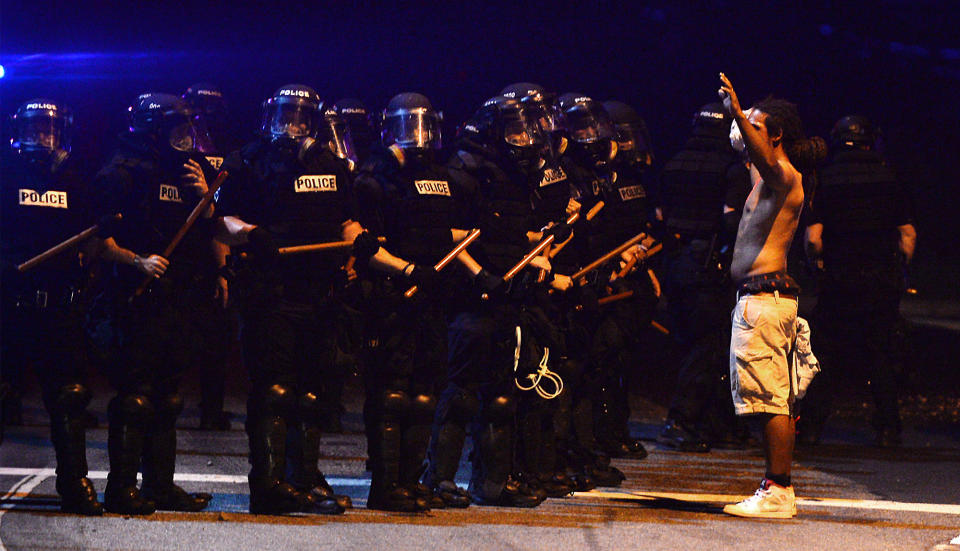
[490, 284]
[365, 246]
[425, 277]
[560, 232]
[262, 246]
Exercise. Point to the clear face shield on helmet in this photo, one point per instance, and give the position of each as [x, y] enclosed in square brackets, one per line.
[588, 123]
[338, 139]
[292, 120]
[42, 133]
[414, 129]
[183, 137]
[632, 143]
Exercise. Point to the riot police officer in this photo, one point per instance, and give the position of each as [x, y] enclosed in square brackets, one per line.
[409, 197]
[861, 236]
[42, 204]
[217, 137]
[155, 179]
[500, 153]
[702, 191]
[287, 188]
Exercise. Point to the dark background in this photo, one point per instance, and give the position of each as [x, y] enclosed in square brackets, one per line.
[897, 62]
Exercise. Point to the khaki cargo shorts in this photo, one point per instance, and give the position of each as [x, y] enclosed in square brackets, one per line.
[761, 343]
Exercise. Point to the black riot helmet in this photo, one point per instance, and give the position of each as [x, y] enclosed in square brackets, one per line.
[294, 111]
[589, 128]
[43, 126]
[510, 127]
[165, 119]
[206, 100]
[360, 125]
[334, 132]
[630, 132]
[712, 120]
[538, 99]
[210, 110]
[410, 122]
[854, 131]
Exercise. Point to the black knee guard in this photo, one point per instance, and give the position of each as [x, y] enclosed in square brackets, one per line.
[73, 399]
[131, 409]
[500, 410]
[277, 401]
[169, 407]
[422, 408]
[463, 407]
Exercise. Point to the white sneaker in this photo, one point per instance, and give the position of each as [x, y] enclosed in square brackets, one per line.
[770, 501]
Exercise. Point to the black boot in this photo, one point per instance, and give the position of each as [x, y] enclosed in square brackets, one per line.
[675, 435]
[303, 446]
[416, 429]
[159, 461]
[68, 434]
[128, 416]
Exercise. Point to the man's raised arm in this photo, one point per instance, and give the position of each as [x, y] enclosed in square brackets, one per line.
[762, 155]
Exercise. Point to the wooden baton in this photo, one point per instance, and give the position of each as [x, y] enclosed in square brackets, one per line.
[182, 232]
[461, 246]
[60, 247]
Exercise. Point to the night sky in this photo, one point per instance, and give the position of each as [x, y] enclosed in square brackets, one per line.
[897, 62]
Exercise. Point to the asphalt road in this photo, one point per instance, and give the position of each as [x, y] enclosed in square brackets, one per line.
[853, 496]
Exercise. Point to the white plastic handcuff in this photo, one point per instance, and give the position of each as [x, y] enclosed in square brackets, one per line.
[543, 372]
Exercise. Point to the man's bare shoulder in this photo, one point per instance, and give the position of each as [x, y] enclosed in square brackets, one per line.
[790, 175]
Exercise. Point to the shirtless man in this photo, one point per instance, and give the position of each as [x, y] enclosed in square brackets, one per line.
[764, 320]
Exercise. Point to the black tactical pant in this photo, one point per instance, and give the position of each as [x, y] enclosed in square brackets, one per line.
[480, 392]
[699, 303]
[405, 367]
[288, 342]
[857, 331]
[154, 339]
[44, 329]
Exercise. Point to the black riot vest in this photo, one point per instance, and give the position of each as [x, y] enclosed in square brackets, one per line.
[693, 186]
[300, 199]
[148, 193]
[419, 207]
[860, 204]
[39, 210]
[624, 213]
[508, 204]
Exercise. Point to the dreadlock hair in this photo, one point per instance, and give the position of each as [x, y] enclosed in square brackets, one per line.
[782, 116]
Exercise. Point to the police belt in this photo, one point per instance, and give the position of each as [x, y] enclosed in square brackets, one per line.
[40, 298]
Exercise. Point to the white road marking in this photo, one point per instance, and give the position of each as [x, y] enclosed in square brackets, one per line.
[938, 508]
[25, 485]
[35, 476]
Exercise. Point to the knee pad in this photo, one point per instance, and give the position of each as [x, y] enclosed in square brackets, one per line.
[308, 406]
[464, 406]
[278, 401]
[395, 403]
[500, 410]
[422, 408]
[74, 398]
[169, 406]
[132, 409]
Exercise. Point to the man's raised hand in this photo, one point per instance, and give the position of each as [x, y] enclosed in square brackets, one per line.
[729, 97]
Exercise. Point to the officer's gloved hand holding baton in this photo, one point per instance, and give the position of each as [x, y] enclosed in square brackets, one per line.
[425, 277]
[262, 246]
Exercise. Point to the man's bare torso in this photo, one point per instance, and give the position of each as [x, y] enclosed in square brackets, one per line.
[766, 229]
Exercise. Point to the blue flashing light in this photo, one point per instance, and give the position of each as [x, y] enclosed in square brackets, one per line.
[2, 71]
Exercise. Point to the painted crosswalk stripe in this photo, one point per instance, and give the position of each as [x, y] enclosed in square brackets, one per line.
[25, 486]
[938, 508]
